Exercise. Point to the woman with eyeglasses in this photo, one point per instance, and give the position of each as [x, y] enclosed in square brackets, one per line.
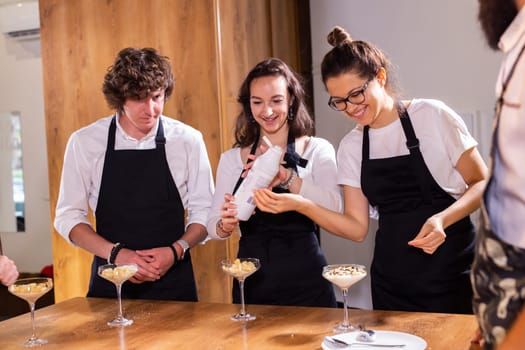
[273, 106]
[417, 165]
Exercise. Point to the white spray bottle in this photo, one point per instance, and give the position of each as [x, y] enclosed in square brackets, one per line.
[261, 174]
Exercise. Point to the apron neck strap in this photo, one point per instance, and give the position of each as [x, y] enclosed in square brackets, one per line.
[412, 141]
[160, 139]
[416, 158]
[291, 157]
[252, 152]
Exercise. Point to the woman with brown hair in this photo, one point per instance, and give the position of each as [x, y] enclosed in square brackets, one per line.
[272, 101]
[415, 162]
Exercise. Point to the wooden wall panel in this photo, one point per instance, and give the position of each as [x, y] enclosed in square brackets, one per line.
[244, 40]
[211, 44]
[79, 41]
[284, 46]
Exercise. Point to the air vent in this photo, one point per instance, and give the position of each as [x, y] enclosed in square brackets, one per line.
[20, 20]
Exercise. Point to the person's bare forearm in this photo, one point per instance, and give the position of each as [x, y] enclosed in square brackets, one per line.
[465, 205]
[195, 233]
[475, 173]
[352, 224]
[339, 224]
[85, 237]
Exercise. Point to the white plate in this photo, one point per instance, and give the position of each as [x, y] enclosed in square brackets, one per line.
[412, 342]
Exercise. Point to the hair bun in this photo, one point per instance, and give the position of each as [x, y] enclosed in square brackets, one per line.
[339, 36]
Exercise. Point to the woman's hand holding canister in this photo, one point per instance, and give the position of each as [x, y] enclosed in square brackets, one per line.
[228, 220]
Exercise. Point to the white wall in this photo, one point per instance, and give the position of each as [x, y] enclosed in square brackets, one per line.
[439, 52]
[22, 90]
[7, 209]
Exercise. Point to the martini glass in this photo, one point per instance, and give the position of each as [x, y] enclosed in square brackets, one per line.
[240, 269]
[31, 289]
[118, 274]
[344, 276]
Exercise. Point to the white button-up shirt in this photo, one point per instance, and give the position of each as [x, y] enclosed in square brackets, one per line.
[506, 193]
[84, 162]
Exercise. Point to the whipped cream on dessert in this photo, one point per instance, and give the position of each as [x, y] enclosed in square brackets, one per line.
[344, 275]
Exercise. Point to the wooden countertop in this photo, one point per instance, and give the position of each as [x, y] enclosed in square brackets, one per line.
[80, 323]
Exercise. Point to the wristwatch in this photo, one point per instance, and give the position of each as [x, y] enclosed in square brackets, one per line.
[184, 245]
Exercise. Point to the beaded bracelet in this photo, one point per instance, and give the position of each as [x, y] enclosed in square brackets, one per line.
[286, 184]
[221, 228]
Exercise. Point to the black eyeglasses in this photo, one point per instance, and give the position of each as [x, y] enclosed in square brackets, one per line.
[355, 97]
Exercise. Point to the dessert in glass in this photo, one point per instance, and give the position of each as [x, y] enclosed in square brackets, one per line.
[344, 276]
[118, 274]
[240, 269]
[31, 289]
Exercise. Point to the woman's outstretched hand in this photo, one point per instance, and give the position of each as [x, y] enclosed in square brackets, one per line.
[274, 203]
[430, 237]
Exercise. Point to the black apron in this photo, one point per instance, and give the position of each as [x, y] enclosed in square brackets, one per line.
[139, 205]
[406, 195]
[288, 249]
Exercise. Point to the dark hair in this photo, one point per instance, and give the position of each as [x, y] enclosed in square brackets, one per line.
[495, 16]
[135, 74]
[355, 56]
[300, 121]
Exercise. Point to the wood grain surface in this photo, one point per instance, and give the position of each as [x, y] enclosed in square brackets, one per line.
[80, 323]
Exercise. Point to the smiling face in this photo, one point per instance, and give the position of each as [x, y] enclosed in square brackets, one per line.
[349, 84]
[269, 103]
[140, 116]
